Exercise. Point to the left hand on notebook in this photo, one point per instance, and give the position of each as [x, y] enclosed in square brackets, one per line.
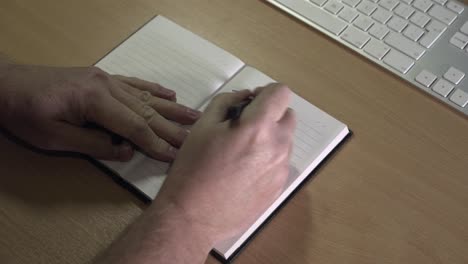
[48, 107]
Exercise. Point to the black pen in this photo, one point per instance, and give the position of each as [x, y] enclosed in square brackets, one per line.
[235, 111]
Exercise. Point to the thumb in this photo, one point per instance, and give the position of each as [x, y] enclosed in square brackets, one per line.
[95, 143]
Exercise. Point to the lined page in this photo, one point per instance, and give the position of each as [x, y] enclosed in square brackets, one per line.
[316, 134]
[315, 128]
[165, 53]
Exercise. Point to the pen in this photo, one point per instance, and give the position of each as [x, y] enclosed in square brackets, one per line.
[235, 111]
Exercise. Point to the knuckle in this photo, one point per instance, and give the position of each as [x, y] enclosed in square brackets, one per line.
[282, 87]
[282, 90]
[145, 96]
[139, 127]
[160, 147]
[147, 112]
[96, 73]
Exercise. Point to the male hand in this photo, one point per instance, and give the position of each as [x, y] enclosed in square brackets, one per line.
[50, 107]
[228, 172]
[225, 175]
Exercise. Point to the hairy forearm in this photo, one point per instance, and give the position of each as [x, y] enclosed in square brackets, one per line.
[161, 235]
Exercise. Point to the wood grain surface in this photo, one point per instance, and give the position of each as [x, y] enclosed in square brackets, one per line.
[396, 192]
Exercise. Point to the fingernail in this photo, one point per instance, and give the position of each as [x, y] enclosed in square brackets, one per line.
[169, 93]
[172, 152]
[181, 135]
[193, 113]
[125, 151]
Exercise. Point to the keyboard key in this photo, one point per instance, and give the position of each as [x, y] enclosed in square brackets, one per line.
[379, 31]
[382, 15]
[413, 32]
[464, 28]
[436, 26]
[422, 5]
[316, 15]
[398, 61]
[441, 2]
[397, 23]
[429, 39]
[408, 2]
[455, 7]
[333, 7]
[366, 7]
[363, 22]
[348, 14]
[405, 11]
[388, 4]
[459, 40]
[426, 78]
[319, 2]
[420, 19]
[351, 3]
[443, 87]
[410, 48]
[435, 30]
[376, 49]
[454, 75]
[442, 14]
[355, 37]
[459, 97]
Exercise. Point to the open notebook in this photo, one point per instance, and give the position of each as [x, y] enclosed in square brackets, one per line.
[163, 52]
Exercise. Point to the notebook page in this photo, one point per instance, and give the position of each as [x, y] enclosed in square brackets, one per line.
[165, 53]
[316, 134]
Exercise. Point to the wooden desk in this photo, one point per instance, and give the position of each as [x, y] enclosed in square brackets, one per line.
[397, 192]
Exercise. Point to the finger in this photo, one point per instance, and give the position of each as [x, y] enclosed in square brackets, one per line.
[288, 122]
[167, 130]
[217, 109]
[174, 111]
[153, 88]
[260, 88]
[91, 142]
[169, 109]
[286, 128]
[270, 103]
[118, 118]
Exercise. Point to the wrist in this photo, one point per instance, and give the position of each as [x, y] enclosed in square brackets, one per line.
[185, 231]
[161, 235]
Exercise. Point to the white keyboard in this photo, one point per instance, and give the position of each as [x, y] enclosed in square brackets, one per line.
[423, 41]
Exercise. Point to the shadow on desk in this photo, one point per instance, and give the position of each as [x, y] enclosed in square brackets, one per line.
[286, 238]
[37, 187]
[45, 179]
